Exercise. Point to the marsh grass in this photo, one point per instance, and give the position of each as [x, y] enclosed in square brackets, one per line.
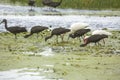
[77, 4]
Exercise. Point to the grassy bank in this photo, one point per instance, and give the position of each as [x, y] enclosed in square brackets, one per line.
[70, 62]
[78, 4]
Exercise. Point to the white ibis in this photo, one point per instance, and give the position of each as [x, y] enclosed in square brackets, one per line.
[76, 26]
[100, 32]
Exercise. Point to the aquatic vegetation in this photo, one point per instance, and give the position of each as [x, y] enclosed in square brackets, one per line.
[78, 4]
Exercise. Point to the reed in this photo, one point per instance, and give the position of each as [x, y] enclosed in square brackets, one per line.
[78, 4]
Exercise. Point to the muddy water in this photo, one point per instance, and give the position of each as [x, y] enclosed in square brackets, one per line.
[17, 15]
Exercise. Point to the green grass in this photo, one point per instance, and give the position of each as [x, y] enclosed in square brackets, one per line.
[77, 4]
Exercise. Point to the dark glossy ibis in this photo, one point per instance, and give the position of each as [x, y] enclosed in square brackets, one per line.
[79, 33]
[37, 30]
[101, 32]
[14, 29]
[57, 32]
[93, 39]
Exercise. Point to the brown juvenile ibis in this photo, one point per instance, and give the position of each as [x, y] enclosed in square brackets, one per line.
[14, 29]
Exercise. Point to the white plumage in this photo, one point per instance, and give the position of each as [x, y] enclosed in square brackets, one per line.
[101, 32]
[76, 26]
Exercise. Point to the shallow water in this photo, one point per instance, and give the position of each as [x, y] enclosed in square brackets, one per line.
[17, 15]
[24, 74]
[45, 52]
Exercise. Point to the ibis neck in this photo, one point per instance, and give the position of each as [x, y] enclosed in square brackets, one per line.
[6, 25]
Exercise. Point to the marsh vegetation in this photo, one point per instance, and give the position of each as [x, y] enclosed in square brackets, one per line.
[76, 4]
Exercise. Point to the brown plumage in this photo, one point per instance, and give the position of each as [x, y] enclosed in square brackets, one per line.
[93, 39]
[14, 29]
[79, 33]
[37, 30]
[50, 3]
[57, 32]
